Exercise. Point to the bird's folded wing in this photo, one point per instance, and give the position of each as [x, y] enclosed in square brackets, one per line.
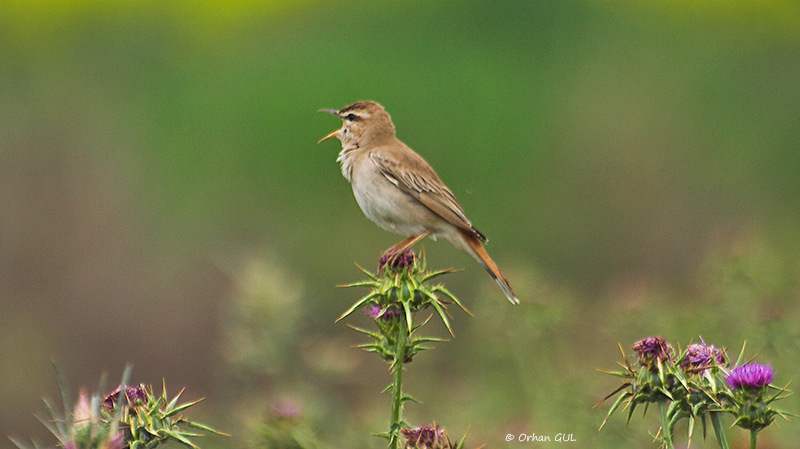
[422, 183]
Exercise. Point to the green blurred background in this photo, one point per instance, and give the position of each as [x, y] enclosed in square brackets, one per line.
[163, 202]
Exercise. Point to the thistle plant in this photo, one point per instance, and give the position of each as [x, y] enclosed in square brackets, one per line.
[653, 381]
[752, 395]
[399, 290]
[430, 437]
[130, 417]
[698, 385]
[285, 428]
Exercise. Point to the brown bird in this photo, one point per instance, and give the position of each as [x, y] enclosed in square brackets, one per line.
[399, 191]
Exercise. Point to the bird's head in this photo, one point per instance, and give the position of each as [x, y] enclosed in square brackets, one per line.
[365, 122]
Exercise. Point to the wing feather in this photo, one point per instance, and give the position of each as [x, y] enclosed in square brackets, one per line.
[421, 182]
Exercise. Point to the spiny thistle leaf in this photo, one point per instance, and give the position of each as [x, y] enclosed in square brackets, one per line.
[66, 421]
[179, 438]
[180, 408]
[438, 273]
[56, 424]
[203, 427]
[385, 435]
[367, 272]
[420, 340]
[407, 397]
[440, 288]
[372, 334]
[357, 305]
[442, 314]
[418, 326]
[463, 439]
[409, 318]
[621, 387]
[614, 407]
[18, 443]
[164, 395]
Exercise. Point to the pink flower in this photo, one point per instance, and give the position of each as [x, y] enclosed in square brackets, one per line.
[753, 376]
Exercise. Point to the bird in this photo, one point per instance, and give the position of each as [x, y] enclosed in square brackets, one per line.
[399, 191]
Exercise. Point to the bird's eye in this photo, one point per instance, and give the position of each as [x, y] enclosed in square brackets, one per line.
[351, 117]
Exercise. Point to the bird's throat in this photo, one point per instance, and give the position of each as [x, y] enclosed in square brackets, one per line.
[345, 159]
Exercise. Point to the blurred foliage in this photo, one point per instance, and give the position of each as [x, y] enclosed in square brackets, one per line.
[284, 429]
[634, 164]
[130, 417]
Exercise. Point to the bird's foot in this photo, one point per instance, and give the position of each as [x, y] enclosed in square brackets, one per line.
[396, 258]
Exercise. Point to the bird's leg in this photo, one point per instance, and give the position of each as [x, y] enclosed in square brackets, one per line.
[407, 243]
[391, 255]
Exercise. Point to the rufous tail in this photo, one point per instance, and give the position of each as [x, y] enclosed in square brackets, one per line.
[479, 254]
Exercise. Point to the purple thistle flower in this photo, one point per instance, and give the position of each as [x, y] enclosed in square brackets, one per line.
[374, 312]
[424, 437]
[392, 313]
[700, 356]
[133, 394]
[287, 408]
[753, 376]
[395, 261]
[651, 349]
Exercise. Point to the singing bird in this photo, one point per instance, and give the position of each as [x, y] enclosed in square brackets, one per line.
[399, 191]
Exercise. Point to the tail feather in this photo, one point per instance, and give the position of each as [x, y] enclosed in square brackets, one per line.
[479, 254]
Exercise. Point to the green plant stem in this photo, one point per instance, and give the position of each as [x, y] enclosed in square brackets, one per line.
[397, 388]
[753, 437]
[719, 431]
[665, 430]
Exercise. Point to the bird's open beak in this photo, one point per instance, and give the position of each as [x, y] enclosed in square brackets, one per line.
[335, 133]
